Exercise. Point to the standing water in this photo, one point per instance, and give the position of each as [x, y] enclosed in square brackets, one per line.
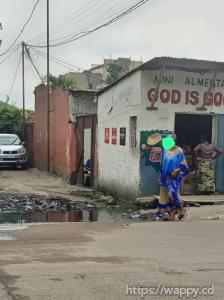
[42, 210]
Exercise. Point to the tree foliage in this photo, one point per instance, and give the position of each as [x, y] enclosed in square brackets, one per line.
[62, 81]
[11, 119]
[114, 72]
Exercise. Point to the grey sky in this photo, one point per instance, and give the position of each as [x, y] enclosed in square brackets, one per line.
[192, 29]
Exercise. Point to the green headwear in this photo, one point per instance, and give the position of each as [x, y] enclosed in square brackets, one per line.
[168, 142]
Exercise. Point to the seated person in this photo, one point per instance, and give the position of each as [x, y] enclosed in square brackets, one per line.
[88, 164]
[87, 172]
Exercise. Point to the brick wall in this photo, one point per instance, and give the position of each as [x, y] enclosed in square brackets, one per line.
[62, 133]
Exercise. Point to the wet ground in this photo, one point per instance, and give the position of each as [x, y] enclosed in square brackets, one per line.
[35, 196]
[31, 209]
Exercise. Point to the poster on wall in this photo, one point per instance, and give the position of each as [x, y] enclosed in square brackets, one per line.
[107, 136]
[151, 147]
[114, 136]
[123, 136]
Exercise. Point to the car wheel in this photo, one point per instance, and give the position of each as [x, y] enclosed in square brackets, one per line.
[24, 167]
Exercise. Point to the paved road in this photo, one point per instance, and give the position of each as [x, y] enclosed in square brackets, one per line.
[97, 261]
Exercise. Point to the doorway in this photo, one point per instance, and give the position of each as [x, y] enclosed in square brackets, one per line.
[86, 150]
[189, 128]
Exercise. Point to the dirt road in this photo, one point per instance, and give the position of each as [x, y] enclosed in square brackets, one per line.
[34, 182]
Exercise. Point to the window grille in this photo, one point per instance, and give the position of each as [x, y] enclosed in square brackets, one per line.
[133, 129]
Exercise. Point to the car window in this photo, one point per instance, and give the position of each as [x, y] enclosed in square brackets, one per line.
[10, 140]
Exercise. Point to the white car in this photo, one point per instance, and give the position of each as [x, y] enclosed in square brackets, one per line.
[12, 151]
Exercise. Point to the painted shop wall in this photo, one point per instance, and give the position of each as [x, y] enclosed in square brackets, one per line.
[118, 162]
[179, 92]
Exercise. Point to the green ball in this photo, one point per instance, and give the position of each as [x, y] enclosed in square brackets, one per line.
[168, 142]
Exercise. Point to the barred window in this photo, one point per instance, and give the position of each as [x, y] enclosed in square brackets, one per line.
[133, 129]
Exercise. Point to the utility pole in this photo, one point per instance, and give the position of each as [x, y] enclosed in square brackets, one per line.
[23, 87]
[48, 86]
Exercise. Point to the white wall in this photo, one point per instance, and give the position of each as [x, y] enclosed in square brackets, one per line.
[118, 166]
[121, 171]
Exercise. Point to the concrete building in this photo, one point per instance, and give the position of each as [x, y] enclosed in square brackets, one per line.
[126, 65]
[95, 77]
[163, 95]
[86, 80]
[72, 132]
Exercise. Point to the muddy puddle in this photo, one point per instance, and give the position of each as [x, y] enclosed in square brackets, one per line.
[14, 210]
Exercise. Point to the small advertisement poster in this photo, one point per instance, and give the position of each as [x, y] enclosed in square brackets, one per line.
[114, 136]
[123, 136]
[107, 136]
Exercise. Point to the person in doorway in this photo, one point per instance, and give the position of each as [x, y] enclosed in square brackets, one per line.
[87, 172]
[205, 155]
[88, 164]
[173, 169]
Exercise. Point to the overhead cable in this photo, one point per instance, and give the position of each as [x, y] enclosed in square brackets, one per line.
[31, 61]
[14, 78]
[22, 30]
[85, 33]
[10, 54]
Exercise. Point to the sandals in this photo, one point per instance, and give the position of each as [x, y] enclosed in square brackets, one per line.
[182, 213]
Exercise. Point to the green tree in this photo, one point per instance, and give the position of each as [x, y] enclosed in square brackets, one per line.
[114, 73]
[62, 81]
[11, 118]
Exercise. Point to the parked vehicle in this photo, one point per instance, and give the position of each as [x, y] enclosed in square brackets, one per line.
[12, 151]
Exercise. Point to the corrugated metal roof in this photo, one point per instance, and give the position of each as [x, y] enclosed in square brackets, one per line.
[194, 65]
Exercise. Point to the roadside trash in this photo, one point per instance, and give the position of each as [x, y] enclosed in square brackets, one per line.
[135, 216]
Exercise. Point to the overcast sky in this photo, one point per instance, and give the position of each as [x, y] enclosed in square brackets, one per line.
[178, 28]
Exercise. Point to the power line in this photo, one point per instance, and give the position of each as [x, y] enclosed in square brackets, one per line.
[63, 63]
[65, 22]
[81, 19]
[57, 60]
[14, 78]
[96, 21]
[10, 54]
[22, 30]
[31, 61]
[83, 34]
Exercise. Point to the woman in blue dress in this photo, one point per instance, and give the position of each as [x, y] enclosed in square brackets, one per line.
[173, 170]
